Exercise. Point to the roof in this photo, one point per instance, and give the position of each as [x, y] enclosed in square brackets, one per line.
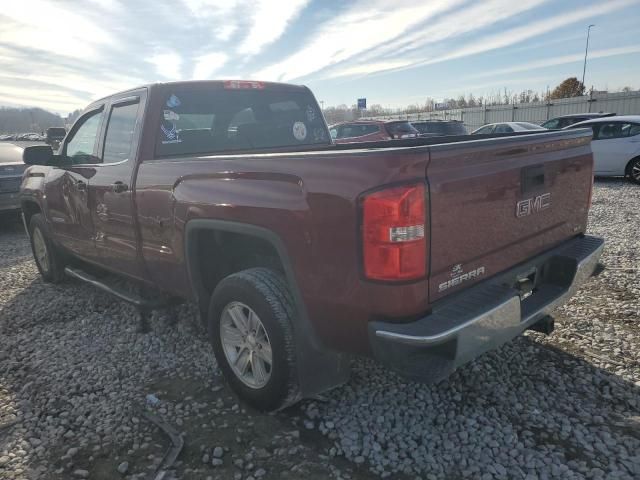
[615, 118]
[202, 82]
[586, 114]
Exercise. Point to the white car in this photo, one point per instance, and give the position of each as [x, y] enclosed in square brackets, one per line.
[615, 145]
[507, 127]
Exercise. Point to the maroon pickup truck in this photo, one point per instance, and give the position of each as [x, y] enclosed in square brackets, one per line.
[299, 252]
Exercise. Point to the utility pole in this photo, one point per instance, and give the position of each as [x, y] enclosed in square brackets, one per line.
[586, 50]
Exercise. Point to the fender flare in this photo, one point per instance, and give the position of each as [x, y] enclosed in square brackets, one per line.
[319, 368]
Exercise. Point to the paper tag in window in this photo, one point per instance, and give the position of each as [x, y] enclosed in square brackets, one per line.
[299, 131]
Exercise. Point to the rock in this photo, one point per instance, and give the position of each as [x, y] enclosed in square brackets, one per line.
[81, 473]
[218, 452]
[123, 467]
[216, 462]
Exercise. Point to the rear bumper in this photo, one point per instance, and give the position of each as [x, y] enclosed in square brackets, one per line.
[485, 316]
[9, 201]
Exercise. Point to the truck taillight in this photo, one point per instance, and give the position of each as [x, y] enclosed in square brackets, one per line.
[393, 233]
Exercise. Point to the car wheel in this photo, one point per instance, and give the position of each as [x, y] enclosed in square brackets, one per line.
[633, 170]
[250, 327]
[48, 259]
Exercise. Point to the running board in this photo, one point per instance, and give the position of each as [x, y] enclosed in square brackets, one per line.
[141, 303]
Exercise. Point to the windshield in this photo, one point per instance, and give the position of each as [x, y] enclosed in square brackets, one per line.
[221, 120]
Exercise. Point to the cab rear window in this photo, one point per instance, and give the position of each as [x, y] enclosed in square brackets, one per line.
[213, 120]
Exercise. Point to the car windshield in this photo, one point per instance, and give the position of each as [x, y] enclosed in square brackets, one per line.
[210, 120]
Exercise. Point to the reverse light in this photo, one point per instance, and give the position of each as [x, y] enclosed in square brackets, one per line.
[393, 233]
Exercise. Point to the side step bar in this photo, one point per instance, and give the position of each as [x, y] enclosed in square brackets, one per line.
[141, 303]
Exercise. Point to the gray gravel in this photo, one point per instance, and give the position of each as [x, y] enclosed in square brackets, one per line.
[564, 406]
[74, 375]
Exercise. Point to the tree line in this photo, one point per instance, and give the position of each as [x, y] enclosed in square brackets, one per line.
[27, 120]
[570, 87]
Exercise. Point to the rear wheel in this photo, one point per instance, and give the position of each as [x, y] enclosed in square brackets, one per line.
[633, 170]
[250, 326]
[48, 259]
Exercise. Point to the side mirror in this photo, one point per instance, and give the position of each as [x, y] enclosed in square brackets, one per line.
[38, 155]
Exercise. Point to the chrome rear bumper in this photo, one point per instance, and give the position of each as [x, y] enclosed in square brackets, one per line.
[484, 316]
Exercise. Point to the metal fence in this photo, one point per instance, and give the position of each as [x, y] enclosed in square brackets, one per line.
[624, 103]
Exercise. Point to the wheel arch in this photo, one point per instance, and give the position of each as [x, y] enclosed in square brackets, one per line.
[29, 209]
[627, 168]
[319, 368]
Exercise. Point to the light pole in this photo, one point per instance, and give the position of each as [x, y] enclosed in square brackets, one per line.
[586, 50]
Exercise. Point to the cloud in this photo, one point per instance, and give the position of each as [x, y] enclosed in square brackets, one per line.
[465, 21]
[207, 64]
[269, 20]
[529, 30]
[365, 25]
[561, 60]
[52, 28]
[167, 64]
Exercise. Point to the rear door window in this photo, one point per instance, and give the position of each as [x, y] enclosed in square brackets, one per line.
[120, 131]
[211, 119]
[634, 129]
[611, 130]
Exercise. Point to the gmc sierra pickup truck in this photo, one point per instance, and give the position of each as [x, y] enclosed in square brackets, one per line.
[423, 253]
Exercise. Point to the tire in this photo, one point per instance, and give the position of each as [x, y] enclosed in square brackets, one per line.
[239, 299]
[633, 170]
[48, 259]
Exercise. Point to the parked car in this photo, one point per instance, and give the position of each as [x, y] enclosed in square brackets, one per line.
[566, 120]
[300, 252]
[439, 127]
[615, 146]
[11, 169]
[31, 137]
[7, 137]
[372, 131]
[507, 127]
[54, 135]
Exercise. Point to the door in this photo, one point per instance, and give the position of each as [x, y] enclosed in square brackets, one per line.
[68, 208]
[111, 189]
[614, 144]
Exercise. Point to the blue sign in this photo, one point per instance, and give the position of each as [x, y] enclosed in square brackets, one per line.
[362, 104]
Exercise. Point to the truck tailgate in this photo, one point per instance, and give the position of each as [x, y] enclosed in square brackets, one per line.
[495, 203]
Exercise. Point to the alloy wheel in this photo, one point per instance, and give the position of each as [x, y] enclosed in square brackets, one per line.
[246, 345]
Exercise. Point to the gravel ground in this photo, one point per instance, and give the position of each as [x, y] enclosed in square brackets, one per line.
[75, 372]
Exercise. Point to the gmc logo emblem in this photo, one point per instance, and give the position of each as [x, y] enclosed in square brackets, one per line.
[533, 205]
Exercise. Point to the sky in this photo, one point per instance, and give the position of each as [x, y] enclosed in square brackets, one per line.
[62, 54]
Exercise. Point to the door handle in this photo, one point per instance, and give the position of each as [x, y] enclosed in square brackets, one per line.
[119, 187]
[81, 186]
